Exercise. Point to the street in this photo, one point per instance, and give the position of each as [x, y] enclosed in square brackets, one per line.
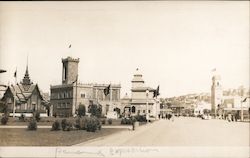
[183, 131]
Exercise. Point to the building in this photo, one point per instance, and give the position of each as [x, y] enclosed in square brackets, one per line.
[25, 98]
[67, 96]
[142, 99]
[201, 107]
[216, 94]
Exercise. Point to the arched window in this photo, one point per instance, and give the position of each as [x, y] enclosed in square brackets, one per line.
[133, 109]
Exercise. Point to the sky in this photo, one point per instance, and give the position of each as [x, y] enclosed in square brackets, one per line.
[174, 44]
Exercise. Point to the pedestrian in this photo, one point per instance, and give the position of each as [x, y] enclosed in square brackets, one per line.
[229, 117]
[172, 118]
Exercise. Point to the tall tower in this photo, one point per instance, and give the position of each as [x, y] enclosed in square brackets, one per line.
[216, 93]
[69, 70]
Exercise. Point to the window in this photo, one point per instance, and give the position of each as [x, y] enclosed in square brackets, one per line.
[133, 109]
[143, 111]
[58, 106]
[67, 105]
[82, 95]
[148, 111]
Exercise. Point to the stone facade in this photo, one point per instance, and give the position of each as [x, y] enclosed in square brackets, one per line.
[216, 93]
[67, 97]
[141, 101]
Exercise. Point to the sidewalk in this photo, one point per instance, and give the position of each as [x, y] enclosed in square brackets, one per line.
[121, 137]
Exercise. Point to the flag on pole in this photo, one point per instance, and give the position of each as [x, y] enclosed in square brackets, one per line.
[213, 70]
[76, 79]
[244, 100]
[156, 92]
[106, 90]
[15, 73]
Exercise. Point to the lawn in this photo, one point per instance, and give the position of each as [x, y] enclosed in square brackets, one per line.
[49, 121]
[45, 137]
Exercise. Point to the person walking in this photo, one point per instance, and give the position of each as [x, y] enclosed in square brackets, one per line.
[172, 117]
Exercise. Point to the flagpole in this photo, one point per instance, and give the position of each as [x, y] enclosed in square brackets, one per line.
[14, 100]
[74, 109]
[111, 96]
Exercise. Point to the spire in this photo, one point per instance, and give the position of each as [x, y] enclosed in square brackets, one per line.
[26, 79]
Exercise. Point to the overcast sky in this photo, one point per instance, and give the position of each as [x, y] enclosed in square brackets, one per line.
[174, 44]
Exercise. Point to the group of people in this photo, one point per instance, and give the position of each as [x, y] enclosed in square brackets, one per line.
[232, 117]
[167, 116]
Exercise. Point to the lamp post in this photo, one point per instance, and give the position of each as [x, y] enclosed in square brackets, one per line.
[147, 114]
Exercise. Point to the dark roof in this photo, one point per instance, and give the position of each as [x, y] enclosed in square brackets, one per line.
[22, 92]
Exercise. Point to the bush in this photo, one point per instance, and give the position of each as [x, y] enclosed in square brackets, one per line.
[81, 123]
[103, 121]
[92, 124]
[127, 121]
[4, 120]
[66, 125]
[81, 110]
[37, 116]
[56, 126]
[32, 125]
[141, 118]
[110, 121]
[95, 110]
[22, 118]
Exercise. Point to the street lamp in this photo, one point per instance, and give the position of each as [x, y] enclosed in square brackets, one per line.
[147, 114]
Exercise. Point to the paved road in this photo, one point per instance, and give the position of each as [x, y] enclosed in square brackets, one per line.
[183, 131]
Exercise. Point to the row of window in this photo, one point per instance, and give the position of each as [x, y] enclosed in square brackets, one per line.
[63, 105]
[138, 111]
[62, 95]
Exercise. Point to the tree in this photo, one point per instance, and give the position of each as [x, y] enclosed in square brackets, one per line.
[81, 110]
[95, 110]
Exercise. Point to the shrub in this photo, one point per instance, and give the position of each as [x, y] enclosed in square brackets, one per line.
[37, 116]
[4, 120]
[81, 123]
[92, 124]
[56, 126]
[103, 121]
[95, 110]
[141, 118]
[126, 121]
[32, 125]
[110, 121]
[66, 125]
[22, 118]
[81, 110]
